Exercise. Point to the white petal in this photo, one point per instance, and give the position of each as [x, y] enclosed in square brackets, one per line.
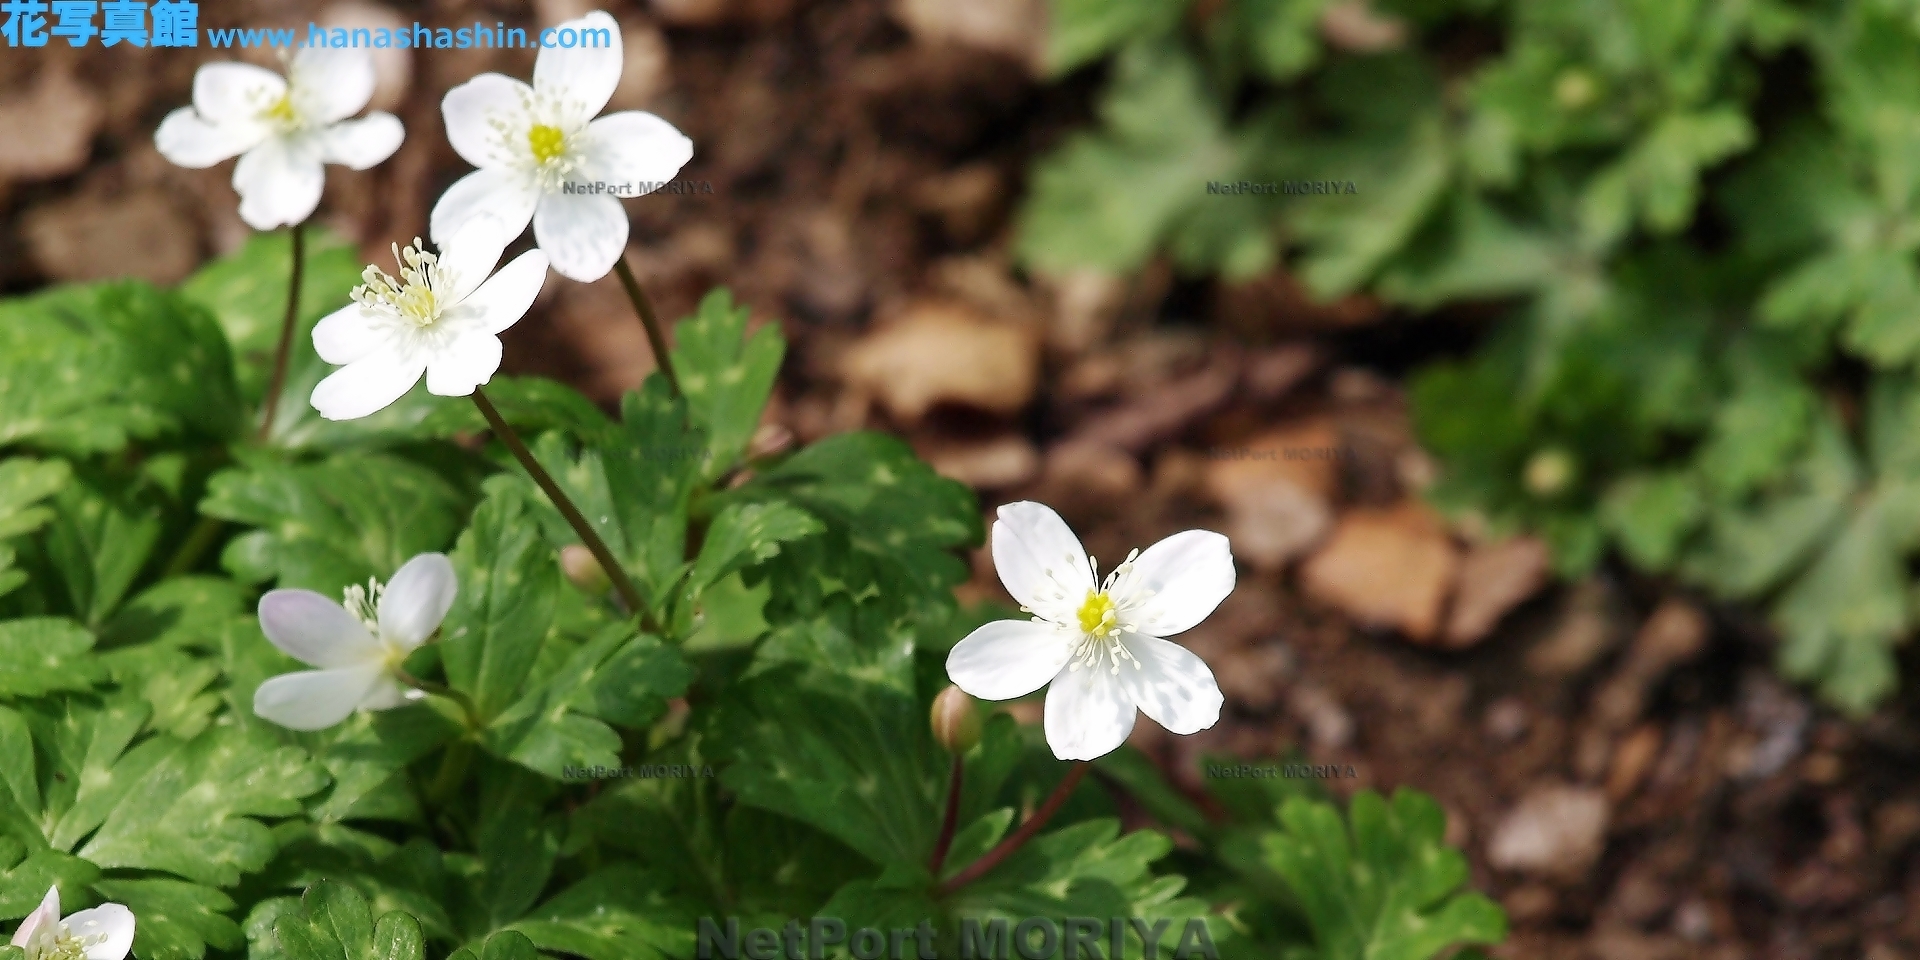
[186, 139]
[583, 234]
[507, 195]
[1040, 561]
[331, 83]
[47, 912]
[362, 143]
[417, 599]
[366, 386]
[1088, 714]
[279, 183]
[464, 365]
[346, 335]
[469, 256]
[1008, 658]
[487, 119]
[315, 630]
[314, 699]
[507, 295]
[634, 147]
[1189, 573]
[581, 78]
[112, 920]
[229, 91]
[388, 693]
[1172, 684]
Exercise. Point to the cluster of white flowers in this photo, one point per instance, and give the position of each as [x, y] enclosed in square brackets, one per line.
[1100, 643]
[104, 932]
[442, 316]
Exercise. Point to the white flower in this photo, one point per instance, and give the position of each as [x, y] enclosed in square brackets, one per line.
[358, 646]
[436, 318]
[104, 932]
[1098, 643]
[282, 129]
[539, 147]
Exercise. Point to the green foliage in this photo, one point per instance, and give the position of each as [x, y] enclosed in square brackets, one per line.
[756, 738]
[1703, 269]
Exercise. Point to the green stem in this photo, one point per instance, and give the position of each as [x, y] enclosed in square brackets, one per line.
[1014, 841]
[656, 337]
[629, 594]
[466, 703]
[205, 531]
[278, 381]
[453, 771]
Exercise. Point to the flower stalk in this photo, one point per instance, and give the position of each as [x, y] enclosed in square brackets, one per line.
[949, 822]
[467, 707]
[278, 381]
[622, 584]
[1018, 838]
[656, 337]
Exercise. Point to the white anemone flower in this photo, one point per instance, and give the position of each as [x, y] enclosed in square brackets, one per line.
[282, 129]
[543, 157]
[1098, 643]
[441, 317]
[358, 646]
[104, 932]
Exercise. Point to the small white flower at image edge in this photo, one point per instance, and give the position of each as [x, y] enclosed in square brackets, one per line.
[1101, 645]
[357, 645]
[104, 932]
[441, 317]
[283, 129]
[529, 142]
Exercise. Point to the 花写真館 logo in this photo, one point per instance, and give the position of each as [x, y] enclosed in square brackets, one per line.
[162, 23]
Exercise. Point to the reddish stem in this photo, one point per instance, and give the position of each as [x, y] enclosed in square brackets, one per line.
[952, 820]
[975, 870]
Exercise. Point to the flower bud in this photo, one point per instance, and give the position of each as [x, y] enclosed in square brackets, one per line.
[1550, 472]
[956, 721]
[1574, 89]
[581, 568]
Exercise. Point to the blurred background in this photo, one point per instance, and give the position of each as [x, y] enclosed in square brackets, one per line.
[1551, 373]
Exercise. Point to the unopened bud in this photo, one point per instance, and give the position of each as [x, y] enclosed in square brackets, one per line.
[1574, 89]
[956, 721]
[1549, 472]
[581, 568]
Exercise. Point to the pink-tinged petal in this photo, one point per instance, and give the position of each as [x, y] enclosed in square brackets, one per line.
[507, 295]
[186, 139]
[582, 234]
[1040, 561]
[314, 699]
[635, 147]
[224, 92]
[363, 143]
[346, 335]
[315, 630]
[464, 365]
[366, 386]
[47, 912]
[581, 79]
[279, 183]
[1088, 714]
[506, 195]
[417, 599]
[487, 120]
[112, 921]
[1172, 684]
[1188, 573]
[469, 256]
[1008, 658]
[331, 83]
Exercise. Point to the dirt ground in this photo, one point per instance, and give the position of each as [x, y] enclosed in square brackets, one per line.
[1618, 759]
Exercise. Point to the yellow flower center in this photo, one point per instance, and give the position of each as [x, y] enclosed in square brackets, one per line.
[546, 142]
[1097, 615]
[413, 295]
[282, 111]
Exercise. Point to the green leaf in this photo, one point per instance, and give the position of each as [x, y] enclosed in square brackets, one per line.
[726, 375]
[340, 521]
[506, 945]
[617, 913]
[743, 535]
[1382, 885]
[192, 811]
[24, 483]
[39, 655]
[334, 923]
[1083, 30]
[532, 405]
[104, 528]
[1657, 182]
[517, 841]
[509, 581]
[1650, 515]
[367, 758]
[174, 920]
